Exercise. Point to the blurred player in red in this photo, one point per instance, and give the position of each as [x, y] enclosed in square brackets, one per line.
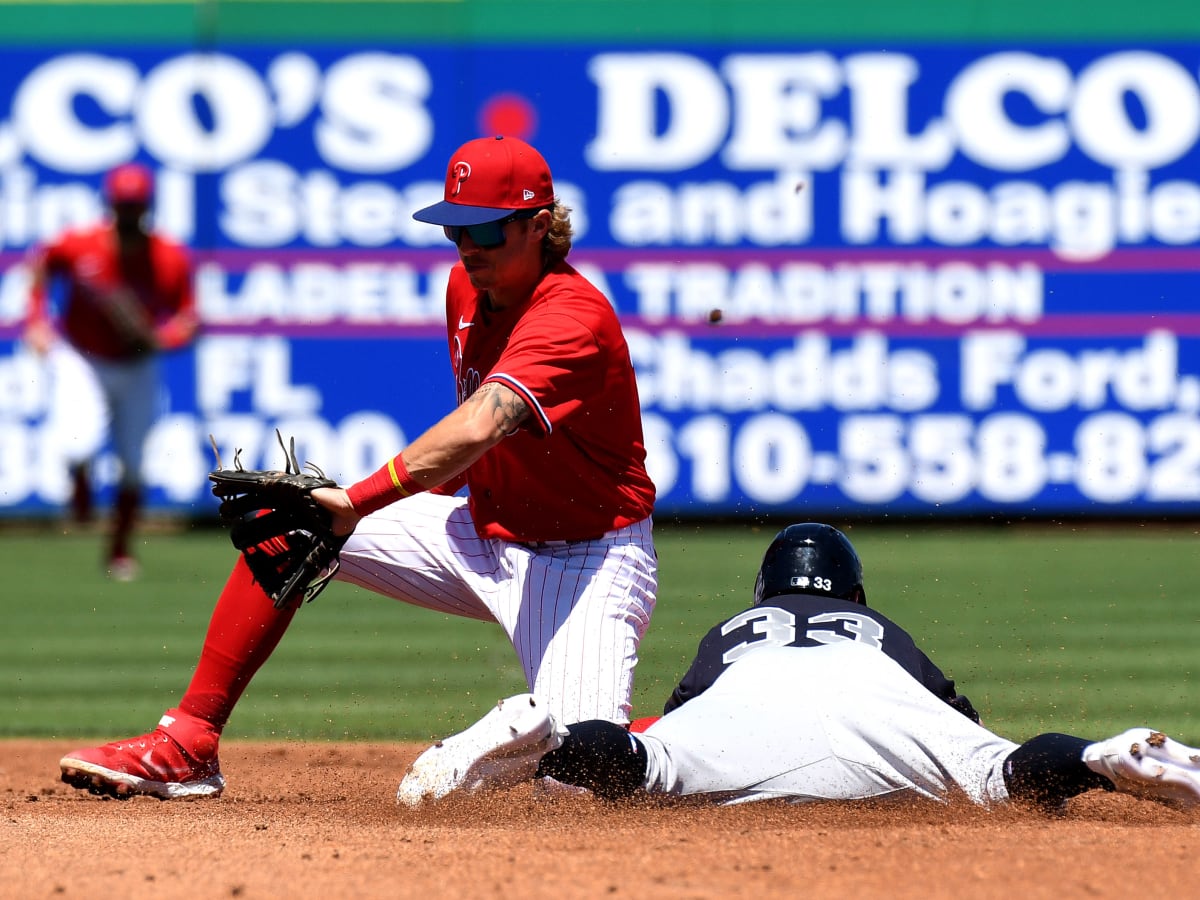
[554, 541]
[126, 295]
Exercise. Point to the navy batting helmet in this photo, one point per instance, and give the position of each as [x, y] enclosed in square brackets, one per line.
[810, 558]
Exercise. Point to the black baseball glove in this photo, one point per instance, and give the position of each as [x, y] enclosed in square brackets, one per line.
[285, 536]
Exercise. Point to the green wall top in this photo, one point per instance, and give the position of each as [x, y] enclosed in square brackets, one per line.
[635, 22]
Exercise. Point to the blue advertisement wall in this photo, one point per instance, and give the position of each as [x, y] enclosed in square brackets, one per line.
[949, 278]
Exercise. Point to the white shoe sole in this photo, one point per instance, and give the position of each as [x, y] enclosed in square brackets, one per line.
[121, 785]
[500, 750]
[1149, 764]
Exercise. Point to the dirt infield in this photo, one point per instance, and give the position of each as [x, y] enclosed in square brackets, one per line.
[319, 820]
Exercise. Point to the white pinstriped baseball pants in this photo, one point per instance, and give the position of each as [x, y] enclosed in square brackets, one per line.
[574, 611]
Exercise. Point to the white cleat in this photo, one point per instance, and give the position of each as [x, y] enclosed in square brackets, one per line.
[1149, 764]
[500, 750]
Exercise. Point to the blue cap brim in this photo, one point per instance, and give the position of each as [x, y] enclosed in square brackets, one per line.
[445, 213]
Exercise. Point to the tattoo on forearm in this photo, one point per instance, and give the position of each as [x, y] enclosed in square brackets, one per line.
[508, 410]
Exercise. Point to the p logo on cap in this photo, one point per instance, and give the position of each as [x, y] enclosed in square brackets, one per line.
[488, 179]
[461, 171]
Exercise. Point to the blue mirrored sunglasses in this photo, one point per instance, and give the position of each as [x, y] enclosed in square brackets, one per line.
[489, 234]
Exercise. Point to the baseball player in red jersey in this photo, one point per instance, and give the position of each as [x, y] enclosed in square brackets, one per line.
[127, 295]
[553, 539]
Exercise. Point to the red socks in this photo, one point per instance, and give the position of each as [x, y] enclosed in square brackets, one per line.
[244, 630]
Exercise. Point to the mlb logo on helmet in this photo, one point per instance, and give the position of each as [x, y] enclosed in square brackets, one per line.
[488, 179]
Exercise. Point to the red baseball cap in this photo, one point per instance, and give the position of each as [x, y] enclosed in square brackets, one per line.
[488, 179]
[130, 183]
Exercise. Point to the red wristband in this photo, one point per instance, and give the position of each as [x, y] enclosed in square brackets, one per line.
[390, 483]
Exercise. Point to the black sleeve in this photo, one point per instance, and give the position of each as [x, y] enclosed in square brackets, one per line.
[1048, 769]
[940, 686]
[963, 705]
[600, 756]
[703, 672]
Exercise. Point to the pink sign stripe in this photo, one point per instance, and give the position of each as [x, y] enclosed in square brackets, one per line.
[1141, 259]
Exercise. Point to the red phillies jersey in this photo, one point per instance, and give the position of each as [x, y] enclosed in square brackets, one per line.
[161, 279]
[576, 468]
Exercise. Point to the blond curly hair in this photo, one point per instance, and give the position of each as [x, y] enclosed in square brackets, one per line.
[557, 242]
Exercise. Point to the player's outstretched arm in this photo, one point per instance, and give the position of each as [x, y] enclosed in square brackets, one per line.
[483, 420]
[446, 450]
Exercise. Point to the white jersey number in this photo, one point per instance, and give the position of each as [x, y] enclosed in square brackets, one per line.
[777, 628]
[856, 627]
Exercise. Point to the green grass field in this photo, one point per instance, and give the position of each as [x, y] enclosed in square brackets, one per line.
[1084, 629]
